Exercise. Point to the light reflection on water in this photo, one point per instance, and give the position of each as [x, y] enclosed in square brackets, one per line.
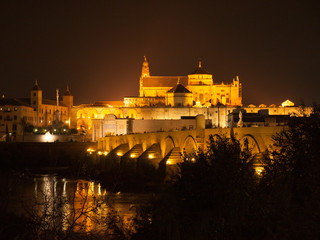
[60, 203]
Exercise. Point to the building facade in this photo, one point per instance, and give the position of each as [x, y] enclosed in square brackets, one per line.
[172, 98]
[16, 113]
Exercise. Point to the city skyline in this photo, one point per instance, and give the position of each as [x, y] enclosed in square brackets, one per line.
[98, 48]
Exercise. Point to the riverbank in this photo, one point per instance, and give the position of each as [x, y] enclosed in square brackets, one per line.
[71, 160]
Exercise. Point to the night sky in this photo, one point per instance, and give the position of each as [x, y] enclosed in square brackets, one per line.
[97, 47]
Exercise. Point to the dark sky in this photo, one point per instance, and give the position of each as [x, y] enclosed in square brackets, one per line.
[98, 46]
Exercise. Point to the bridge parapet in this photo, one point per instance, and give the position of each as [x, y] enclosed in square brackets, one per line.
[155, 147]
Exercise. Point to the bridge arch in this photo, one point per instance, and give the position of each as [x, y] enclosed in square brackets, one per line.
[216, 136]
[189, 145]
[252, 143]
[167, 145]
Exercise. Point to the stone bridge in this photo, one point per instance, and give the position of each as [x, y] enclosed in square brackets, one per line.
[167, 147]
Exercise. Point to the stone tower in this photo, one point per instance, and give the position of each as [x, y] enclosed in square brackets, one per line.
[145, 72]
[67, 99]
[36, 102]
[36, 96]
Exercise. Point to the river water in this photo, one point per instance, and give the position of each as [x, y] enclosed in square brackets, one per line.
[62, 203]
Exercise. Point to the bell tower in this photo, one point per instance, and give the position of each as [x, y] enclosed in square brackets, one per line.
[36, 96]
[145, 72]
[36, 102]
[145, 68]
[67, 99]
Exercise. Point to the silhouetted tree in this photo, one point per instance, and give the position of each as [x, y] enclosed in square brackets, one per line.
[290, 187]
[211, 199]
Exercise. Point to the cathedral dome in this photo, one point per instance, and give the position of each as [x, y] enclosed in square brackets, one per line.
[200, 70]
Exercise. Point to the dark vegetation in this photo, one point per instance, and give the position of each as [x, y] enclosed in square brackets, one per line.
[218, 195]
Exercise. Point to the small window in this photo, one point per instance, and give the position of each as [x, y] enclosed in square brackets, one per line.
[34, 94]
[34, 102]
[0, 117]
[14, 127]
[15, 117]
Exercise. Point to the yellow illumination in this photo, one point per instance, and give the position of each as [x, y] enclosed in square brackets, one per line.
[287, 103]
[259, 170]
[132, 155]
[48, 137]
[150, 156]
[169, 162]
[119, 154]
[90, 150]
[193, 159]
[99, 153]
[105, 153]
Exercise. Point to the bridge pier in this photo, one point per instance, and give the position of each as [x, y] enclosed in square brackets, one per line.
[136, 152]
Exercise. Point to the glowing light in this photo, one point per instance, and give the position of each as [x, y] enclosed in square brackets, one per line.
[259, 170]
[99, 189]
[100, 153]
[150, 156]
[132, 155]
[90, 150]
[67, 121]
[105, 153]
[287, 103]
[169, 162]
[36, 130]
[48, 137]
[193, 159]
[119, 154]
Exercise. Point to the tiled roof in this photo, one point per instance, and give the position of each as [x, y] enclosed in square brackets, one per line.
[13, 102]
[179, 89]
[160, 81]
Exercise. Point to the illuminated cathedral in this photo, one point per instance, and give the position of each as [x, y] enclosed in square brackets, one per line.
[165, 102]
[197, 88]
